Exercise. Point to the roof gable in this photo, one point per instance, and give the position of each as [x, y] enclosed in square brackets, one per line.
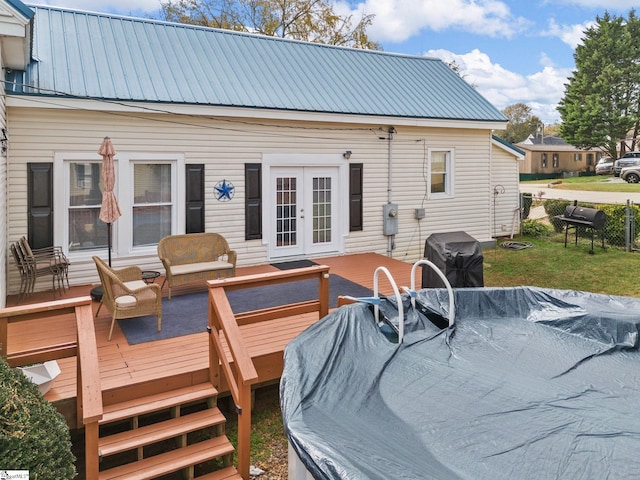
[15, 18]
[82, 54]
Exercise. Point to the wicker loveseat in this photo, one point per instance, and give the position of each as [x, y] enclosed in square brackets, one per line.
[195, 256]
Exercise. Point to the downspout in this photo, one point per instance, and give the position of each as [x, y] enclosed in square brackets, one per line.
[492, 205]
[390, 240]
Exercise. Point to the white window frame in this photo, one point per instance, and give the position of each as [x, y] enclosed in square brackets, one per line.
[122, 234]
[449, 169]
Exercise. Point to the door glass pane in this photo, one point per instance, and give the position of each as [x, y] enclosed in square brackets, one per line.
[86, 231]
[321, 210]
[286, 211]
[152, 203]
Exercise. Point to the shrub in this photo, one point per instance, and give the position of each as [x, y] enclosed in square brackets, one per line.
[614, 229]
[553, 208]
[534, 228]
[527, 200]
[33, 435]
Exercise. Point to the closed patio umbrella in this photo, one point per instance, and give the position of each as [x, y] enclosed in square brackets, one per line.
[109, 210]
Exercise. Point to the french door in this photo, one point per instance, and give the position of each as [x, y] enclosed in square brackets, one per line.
[304, 211]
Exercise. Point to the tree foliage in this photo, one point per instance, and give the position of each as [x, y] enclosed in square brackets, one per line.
[521, 123]
[601, 103]
[308, 20]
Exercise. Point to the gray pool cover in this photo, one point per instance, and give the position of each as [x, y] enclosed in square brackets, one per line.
[529, 384]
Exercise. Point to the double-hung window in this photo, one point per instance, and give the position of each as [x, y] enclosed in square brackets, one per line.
[440, 173]
[149, 189]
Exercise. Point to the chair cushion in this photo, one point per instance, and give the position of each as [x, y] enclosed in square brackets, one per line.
[125, 301]
[135, 284]
[199, 267]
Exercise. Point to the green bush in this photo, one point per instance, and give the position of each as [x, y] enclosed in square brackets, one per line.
[33, 434]
[527, 200]
[534, 228]
[614, 229]
[553, 208]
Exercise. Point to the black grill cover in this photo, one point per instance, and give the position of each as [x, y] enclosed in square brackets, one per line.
[595, 217]
[458, 255]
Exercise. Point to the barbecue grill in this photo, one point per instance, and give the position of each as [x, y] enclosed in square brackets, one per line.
[590, 219]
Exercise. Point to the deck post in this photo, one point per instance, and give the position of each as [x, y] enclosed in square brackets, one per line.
[323, 294]
[4, 322]
[244, 432]
[91, 463]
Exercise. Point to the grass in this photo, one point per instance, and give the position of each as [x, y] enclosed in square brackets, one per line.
[593, 183]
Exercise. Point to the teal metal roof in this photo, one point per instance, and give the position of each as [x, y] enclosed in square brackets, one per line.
[508, 145]
[83, 54]
[25, 11]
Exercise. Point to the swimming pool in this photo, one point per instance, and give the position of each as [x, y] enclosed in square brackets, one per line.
[527, 383]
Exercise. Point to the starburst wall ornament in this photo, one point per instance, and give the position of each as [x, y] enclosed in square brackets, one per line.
[224, 191]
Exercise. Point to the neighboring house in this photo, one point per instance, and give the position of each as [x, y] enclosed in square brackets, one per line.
[549, 156]
[288, 149]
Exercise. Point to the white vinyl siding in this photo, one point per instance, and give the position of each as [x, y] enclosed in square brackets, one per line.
[224, 147]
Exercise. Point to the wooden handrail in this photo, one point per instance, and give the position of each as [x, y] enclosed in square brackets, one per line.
[242, 374]
[89, 393]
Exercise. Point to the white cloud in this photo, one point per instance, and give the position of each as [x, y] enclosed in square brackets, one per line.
[570, 34]
[541, 91]
[398, 20]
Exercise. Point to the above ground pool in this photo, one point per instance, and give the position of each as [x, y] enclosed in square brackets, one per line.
[527, 383]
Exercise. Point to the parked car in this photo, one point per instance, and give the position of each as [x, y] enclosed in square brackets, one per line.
[629, 159]
[630, 174]
[604, 166]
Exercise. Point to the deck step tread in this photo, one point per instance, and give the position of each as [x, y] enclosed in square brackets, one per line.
[229, 473]
[156, 402]
[157, 432]
[172, 461]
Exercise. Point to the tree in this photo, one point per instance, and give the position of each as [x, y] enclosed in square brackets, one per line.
[521, 123]
[308, 20]
[602, 99]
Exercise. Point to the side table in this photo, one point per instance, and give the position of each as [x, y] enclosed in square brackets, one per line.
[149, 276]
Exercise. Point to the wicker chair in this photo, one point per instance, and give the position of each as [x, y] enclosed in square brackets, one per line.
[126, 295]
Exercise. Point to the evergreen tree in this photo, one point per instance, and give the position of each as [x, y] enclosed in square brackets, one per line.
[602, 99]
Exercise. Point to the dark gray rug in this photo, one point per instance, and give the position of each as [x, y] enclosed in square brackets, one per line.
[186, 314]
[294, 264]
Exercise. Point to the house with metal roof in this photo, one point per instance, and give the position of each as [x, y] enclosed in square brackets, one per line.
[288, 149]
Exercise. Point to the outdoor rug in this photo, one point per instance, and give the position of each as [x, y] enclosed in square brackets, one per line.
[187, 314]
[294, 264]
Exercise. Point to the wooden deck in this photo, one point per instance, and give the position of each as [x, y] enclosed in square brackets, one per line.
[182, 359]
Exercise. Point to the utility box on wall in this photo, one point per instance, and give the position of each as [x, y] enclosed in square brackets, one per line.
[390, 220]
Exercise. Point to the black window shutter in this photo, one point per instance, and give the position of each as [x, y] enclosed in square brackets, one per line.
[355, 197]
[253, 201]
[195, 198]
[40, 204]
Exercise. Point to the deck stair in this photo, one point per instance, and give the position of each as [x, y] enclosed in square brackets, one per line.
[163, 433]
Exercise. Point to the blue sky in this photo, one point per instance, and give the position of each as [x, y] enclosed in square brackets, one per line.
[512, 51]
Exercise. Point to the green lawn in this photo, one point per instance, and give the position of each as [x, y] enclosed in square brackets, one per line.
[594, 183]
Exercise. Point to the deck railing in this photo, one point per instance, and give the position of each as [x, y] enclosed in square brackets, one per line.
[237, 366]
[89, 393]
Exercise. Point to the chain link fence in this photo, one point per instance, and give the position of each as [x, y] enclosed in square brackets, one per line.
[539, 217]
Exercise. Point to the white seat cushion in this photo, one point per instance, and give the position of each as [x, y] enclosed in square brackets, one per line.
[135, 284]
[199, 267]
[125, 301]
